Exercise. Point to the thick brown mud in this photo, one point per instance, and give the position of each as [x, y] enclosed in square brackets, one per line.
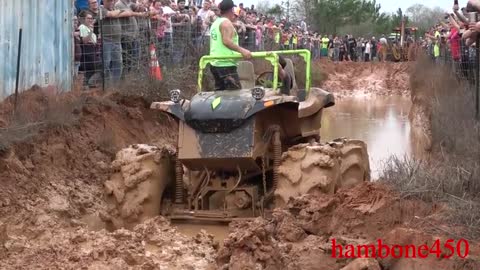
[53, 202]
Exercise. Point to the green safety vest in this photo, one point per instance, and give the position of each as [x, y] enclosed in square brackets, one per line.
[277, 37]
[217, 48]
[436, 50]
[436, 46]
[325, 42]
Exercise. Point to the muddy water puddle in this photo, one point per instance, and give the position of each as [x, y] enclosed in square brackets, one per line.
[382, 122]
[218, 230]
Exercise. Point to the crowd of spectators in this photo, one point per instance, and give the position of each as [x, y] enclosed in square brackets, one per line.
[453, 40]
[113, 37]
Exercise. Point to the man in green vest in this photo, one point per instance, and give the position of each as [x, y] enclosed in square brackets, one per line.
[436, 46]
[325, 41]
[224, 42]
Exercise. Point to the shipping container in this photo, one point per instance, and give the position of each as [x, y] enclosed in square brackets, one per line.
[46, 48]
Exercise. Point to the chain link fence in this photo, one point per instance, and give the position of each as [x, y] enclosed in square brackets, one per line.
[462, 60]
[130, 53]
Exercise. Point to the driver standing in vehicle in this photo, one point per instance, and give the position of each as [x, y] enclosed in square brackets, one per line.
[224, 42]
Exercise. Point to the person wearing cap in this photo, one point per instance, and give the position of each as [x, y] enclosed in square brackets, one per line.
[224, 42]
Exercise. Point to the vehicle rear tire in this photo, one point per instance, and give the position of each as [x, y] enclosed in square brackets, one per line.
[134, 191]
[307, 168]
[355, 164]
[321, 169]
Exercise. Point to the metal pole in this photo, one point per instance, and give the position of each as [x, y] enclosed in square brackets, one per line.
[477, 79]
[103, 48]
[19, 53]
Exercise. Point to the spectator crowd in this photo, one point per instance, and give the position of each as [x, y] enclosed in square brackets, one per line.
[114, 37]
[453, 40]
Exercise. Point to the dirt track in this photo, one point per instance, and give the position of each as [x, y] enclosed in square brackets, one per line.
[52, 197]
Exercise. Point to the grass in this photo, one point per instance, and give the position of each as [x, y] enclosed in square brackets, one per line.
[140, 84]
[35, 111]
[451, 172]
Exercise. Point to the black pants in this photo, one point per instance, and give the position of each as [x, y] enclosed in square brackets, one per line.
[90, 62]
[226, 78]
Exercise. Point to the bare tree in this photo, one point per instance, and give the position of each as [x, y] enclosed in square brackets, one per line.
[424, 17]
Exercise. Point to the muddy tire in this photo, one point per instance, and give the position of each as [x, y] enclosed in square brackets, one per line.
[355, 165]
[321, 169]
[134, 191]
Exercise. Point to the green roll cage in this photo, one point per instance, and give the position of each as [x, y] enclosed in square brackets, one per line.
[271, 56]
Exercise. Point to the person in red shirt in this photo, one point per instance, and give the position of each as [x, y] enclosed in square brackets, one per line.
[454, 40]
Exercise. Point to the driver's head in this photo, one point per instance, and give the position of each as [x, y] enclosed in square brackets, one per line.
[227, 9]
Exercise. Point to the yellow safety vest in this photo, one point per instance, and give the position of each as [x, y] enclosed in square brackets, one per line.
[277, 37]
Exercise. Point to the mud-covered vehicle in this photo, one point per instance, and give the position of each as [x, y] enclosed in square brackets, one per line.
[239, 153]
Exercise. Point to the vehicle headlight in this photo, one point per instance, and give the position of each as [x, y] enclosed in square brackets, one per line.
[258, 93]
[175, 95]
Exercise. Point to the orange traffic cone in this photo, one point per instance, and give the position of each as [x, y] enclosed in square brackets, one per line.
[155, 70]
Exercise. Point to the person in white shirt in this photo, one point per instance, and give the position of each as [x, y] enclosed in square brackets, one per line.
[202, 13]
[168, 12]
[89, 61]
[368, 51]
[383, 40]
[210, 16]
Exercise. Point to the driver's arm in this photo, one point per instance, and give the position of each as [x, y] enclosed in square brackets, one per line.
[227, 30]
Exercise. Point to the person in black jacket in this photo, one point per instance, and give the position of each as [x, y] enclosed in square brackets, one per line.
[352, 46]
[374, 49]
[343, 51]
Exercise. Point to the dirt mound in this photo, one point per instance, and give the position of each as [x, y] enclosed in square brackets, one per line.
[151, 245]
[300, 236]
[52, 170]
[352, 78]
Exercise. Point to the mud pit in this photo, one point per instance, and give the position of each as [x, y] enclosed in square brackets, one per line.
[381, 122]
[52, 200]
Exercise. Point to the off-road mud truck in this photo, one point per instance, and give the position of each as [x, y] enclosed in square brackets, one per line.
[239, 154]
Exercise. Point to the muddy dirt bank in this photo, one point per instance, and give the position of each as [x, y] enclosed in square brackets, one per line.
[300, 235]
[54, 161]
[352, 78]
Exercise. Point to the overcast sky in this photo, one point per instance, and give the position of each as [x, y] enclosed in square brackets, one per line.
[392, 5]
[387, 5]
